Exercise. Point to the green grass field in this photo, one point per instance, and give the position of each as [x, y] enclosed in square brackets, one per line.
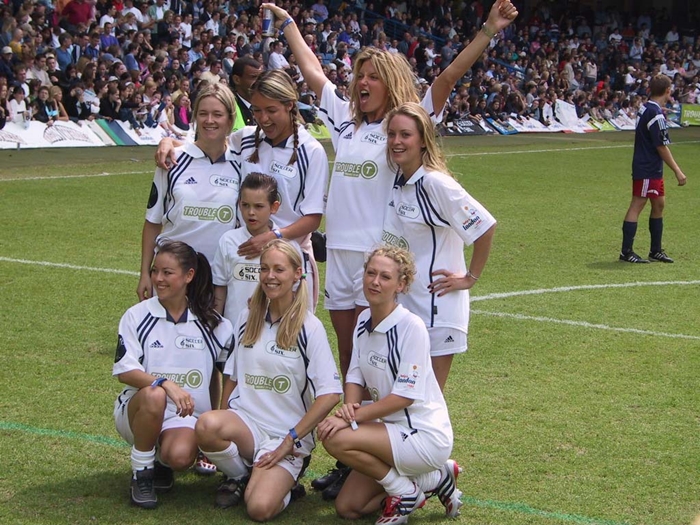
[576, 404]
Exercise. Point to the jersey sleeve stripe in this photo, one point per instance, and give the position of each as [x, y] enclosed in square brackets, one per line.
[143, 335]
[420, 188]
[173, 176]
[208, 340]
[394, 357]
[660, 118]
[330, 120]
[420, 197]
[303, 164]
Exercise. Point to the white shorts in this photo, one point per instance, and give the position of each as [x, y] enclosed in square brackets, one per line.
[263, 443]
[415, 452]
[446, 341]
[344, 269]
[121, 420]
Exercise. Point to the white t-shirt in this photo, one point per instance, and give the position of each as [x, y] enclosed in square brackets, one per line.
[394, 358]
[195, 200]
[275, 387]
[238, 274]
[361, 178]
[301, 185]
[277, 61]
[433, 217]
[184, 352]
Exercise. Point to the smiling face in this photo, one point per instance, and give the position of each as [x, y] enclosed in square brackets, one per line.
[381, 282]
[273, 117]
[405, 144]
[372, 92]
[169, 279]
[277, 275]
[213, 120]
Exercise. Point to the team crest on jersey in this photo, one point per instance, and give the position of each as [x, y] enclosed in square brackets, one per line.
[282, 169]
[121, 350]
[186, 379]
[376, 360]
[185, 342]
[407, 210]
[278, 384]
[409, 379]
[366, 170]
[222, 181]
[206, 212]
[469, 217]
[394, 240]
[290, 353]
[373, 138]
[246, 272]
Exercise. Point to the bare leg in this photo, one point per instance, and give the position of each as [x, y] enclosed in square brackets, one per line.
[178, 448]
[266, 492]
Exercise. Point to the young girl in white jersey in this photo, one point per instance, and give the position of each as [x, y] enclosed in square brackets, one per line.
[361, 178]
[236, 277]
[167, 350]
[280, 146]
[431, 215]
[195, 201]
[282, 381]
[398, 446]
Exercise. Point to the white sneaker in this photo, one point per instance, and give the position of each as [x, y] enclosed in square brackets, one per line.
[398, 508]
[447, 491]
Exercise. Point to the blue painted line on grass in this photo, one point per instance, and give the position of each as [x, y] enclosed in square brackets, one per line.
[499, 505]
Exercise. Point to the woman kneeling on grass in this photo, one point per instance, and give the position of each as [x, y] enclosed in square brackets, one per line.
[282, 380]
[403, 458]
[167, 351]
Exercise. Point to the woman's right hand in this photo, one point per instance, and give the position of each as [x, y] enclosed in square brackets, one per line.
[165, 154]
[145, 288]
[280, 14]
[346, 412]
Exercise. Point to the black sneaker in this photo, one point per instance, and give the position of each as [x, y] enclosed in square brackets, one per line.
[163, 477]
[230, 492]
[660, 256]
[298, 491]
[331, 492]
[632, 257]
[142, 492]
[328, 479]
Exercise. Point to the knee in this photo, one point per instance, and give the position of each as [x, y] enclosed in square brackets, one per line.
[335, 444]
[206, 427]
[262, 509]
[180, 457]
[345, 509]
[153, 400]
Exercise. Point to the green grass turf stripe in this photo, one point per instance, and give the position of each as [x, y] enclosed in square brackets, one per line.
[499, 505]
[526, 509]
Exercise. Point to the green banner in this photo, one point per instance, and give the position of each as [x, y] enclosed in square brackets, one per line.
[690, 115]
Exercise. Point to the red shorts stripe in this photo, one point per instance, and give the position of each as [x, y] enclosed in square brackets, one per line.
[648, 188]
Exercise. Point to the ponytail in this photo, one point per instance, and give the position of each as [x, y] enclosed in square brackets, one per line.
[200, 294]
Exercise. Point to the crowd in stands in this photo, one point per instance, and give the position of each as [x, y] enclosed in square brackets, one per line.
[142, 62]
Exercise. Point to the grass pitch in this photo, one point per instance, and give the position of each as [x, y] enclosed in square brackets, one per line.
[576, 404]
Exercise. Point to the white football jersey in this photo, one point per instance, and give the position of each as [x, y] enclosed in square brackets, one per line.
[184, 352]
[195, 200]
[361, 178]
[433, 217]
[394, 358]
[276, 386]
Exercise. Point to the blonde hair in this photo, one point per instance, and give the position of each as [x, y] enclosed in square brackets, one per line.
[395, 73]
[220, 92]
[293, 319]
[403, 259]
[432, 156]
[277, 85]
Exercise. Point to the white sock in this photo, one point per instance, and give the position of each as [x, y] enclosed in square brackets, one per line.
[428, 481]
[141, 460]
[397, 485]
[228, 461]
[286, 500]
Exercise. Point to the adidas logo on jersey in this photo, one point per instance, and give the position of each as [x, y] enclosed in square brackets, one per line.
[449, 339]
[156, 344]
[191, 180]
[348, 136]
[391, 204]
[404, 436]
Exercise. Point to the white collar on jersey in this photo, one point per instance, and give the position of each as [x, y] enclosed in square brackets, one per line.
[156, 310]
[419, 174]
[391, 320]
[193, 151]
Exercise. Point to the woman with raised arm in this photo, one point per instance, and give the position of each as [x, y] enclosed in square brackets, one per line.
[361, 179]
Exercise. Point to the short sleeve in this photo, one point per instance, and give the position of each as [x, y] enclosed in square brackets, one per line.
[322, 370]
[658, 131]
[155, 209]
[129, 354]
[333, 111]
[219, 265]
[415, 366]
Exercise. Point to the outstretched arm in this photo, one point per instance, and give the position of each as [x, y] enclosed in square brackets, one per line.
[501, 15]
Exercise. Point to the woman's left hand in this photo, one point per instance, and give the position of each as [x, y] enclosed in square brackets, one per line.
[449, 282]
[329, 426]
[253, 247]
[270, 459]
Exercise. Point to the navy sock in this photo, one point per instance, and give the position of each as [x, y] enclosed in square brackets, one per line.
[629, 230]
[656, 229]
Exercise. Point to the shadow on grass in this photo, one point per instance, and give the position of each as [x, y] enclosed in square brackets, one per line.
[611, 265]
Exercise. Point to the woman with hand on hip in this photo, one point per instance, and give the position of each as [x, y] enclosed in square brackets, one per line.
[282, 381]
[399, 445]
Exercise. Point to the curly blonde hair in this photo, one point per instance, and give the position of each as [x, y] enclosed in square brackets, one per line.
[403, 259]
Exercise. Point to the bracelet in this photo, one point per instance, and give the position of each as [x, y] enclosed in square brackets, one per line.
[289, 20]
[295, 437]
[159, 382]
[470, 274]
[277, 233]
[487, 31]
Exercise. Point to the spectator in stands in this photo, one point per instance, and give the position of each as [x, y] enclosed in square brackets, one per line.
[182, 112]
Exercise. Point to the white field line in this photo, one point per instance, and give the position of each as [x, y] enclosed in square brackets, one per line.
[86, 176]
[473, 154]
[68, 266]
[505, 295]
[584, 324]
